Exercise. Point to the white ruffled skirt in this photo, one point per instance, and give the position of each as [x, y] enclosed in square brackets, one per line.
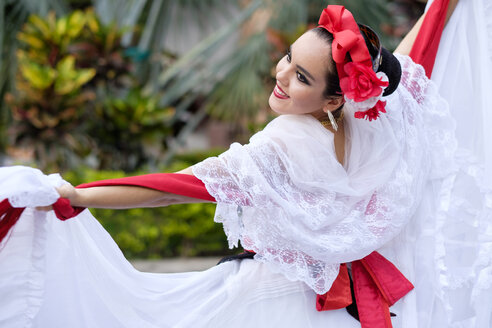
[71, 274]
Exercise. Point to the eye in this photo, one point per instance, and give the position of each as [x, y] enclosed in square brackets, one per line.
[288, 56]
[302, 78]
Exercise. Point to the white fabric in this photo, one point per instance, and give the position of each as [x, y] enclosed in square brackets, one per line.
[285, 195]
[37, 189]
[459, 239]
[71, 273]
[463, 72]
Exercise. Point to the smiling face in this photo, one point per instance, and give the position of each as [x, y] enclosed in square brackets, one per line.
[301, 79]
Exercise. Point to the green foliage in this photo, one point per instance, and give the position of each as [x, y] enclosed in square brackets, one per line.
[100, 47]
[75, 99]
[178, 230]
[49, 102]
[130, 130]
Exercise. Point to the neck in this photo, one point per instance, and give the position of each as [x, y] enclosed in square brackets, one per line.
[319, 115]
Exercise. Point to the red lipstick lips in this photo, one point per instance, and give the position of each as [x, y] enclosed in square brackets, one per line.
[279, 93]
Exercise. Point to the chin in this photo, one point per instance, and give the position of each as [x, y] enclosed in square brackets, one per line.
[274, 105]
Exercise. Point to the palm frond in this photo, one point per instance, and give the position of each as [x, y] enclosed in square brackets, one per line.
[242, 92]
[192, 70]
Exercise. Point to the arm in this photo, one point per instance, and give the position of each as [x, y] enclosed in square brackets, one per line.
[123, 197]
[407, 43]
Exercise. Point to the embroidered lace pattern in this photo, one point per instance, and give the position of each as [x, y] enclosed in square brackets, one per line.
[285, 196]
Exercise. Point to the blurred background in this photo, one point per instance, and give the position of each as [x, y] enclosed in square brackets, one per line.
[110, 88]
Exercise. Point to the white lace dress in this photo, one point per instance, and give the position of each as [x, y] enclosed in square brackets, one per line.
[407, 189]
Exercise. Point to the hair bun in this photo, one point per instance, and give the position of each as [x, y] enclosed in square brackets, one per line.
[390, 65]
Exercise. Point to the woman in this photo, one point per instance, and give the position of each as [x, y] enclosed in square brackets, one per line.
[318, 187]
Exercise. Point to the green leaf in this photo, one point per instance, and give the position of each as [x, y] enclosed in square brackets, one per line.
[66, 65]
[40, 77]
[92, 22]
[76, 22]
[61, 28]
[84, 76]
[30, 40]
[70, 79]
[41, 25]
[73, 80]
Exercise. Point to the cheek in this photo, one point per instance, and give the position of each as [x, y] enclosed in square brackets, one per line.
[306, 98]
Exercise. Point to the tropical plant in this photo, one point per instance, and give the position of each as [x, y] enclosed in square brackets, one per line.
[100, 47]
[48, 106]
[130, 131]
[13, 13]
[67, 67]
[228, 84]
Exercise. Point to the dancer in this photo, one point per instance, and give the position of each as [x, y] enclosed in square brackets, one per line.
[349, 167]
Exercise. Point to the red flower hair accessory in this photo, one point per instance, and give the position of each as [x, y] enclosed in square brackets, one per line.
[361, 86]
[361, 83]
[372, 113]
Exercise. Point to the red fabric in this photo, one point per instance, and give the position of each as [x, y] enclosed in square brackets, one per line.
[426, 44]
[8, 217]
[346, 38]
[378, 284]
[339, 295]
[390, 281]
[175, 183]
[179, 184]
[64, 211]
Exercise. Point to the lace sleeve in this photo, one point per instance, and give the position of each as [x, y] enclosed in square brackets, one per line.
[440, 126]
[285, 196]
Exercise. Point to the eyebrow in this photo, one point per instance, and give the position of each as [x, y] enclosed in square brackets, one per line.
[306, 72]
[302, 69]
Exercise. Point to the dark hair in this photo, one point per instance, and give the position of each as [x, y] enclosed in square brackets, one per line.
[390, 66]
[332, 79]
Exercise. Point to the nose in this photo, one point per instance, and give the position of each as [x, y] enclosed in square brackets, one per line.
[282, 71]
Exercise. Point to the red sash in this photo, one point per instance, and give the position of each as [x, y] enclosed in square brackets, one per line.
[377, 282]
[424, 50]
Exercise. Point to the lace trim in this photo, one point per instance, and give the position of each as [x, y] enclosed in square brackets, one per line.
[302, 216]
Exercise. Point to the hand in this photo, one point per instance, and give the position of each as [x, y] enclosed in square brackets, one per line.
[66, 191]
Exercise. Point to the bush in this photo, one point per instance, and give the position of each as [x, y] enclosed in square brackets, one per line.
[76, 98]
[178, 230]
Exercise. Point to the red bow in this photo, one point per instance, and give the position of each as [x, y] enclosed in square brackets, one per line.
[378, 284]
[346, 37]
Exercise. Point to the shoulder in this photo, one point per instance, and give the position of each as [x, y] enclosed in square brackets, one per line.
[289, 130]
